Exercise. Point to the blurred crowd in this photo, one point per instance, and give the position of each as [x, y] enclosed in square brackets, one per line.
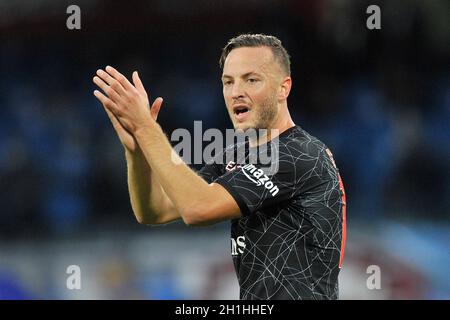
[380, 99]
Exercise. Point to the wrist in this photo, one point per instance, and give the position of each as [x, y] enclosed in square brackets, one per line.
[134, 154]
[146, 131]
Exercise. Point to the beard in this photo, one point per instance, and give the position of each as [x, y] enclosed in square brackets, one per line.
[266, 113]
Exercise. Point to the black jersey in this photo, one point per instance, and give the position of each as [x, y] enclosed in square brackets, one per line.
[290, 240]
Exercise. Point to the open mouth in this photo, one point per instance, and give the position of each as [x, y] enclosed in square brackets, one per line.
[239, 110]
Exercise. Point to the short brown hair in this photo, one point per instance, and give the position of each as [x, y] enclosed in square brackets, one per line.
[259, 40]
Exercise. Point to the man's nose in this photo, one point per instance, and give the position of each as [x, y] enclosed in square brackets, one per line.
[237, 91]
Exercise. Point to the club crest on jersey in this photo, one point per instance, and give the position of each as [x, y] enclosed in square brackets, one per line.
[259, 178]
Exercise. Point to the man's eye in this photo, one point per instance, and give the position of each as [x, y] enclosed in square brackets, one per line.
[227, 83]
[252, 80]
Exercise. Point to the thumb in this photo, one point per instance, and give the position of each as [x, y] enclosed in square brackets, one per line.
[156, 106]
[138, 83]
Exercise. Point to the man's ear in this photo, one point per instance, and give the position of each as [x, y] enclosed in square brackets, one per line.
[285, 88]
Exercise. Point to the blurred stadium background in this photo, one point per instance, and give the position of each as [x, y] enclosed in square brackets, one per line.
[380, 99]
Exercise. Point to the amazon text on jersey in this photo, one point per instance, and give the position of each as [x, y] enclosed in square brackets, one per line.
[257, 176]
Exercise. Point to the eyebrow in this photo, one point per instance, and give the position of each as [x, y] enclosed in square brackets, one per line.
[245, 75]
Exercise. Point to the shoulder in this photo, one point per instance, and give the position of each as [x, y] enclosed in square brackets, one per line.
[300, 145]
[305, 155]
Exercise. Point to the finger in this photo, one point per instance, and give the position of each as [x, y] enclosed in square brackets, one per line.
[114, 120]
[138, 83]
[107, 103]
[103, 99]
[111, 115]
[112, 94]
[121, 78]
[113, 83]
[156, 106]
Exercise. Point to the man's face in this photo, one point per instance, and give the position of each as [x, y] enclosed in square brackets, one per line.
[251, 77]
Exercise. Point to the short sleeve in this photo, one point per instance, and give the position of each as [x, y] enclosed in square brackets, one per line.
[255, 187]
[209, 172]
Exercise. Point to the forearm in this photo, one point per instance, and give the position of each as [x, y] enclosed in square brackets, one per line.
[149, 202]
[188, 195]
[188, 192]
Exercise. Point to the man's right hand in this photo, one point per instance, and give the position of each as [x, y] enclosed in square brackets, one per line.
[126, 138]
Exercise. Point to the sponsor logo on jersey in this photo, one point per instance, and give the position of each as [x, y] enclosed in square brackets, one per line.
[259, 178]
[232, 166]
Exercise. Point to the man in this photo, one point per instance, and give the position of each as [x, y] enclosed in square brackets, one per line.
[287, 240]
